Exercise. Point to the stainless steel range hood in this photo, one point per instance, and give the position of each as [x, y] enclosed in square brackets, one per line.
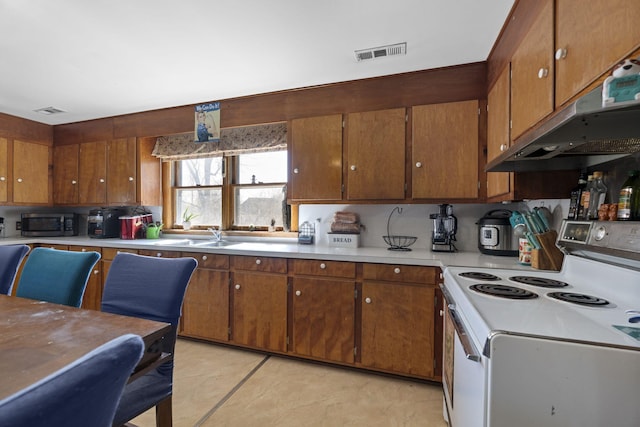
[581, 135]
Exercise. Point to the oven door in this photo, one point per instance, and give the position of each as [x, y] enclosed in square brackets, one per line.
[463, 372]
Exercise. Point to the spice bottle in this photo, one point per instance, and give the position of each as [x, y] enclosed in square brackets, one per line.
[629, 198]
[576, 197]
[598, 195]
[583, 208]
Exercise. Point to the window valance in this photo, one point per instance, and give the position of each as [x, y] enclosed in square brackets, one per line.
[233, 141]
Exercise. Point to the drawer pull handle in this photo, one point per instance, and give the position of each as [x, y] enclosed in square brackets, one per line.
[323, 266]
[258, 262]
[204, 257]
[159, 254]
[396, 270]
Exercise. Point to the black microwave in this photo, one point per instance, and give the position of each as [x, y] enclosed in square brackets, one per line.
[49, 225]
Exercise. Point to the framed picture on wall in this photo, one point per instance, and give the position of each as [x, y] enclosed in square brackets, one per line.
[207, 122]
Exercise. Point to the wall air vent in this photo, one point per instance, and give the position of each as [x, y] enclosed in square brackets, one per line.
[381, 52]
[49, 111]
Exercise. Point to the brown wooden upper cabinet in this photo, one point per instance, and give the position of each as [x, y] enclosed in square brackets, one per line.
[4, 170]
[375, 157]
[533, 74]
[591, 37]
[315, 169]
[445, 150]
[498, 114]
[117, 172]
[31, 173]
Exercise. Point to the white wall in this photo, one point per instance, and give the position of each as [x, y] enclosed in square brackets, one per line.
[414, 220]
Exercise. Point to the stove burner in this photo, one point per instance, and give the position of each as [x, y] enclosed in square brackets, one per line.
[539, 281]
[476, 275]
[503, 291]
[581, 299]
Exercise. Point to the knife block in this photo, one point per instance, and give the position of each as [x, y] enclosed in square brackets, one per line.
[549, 257]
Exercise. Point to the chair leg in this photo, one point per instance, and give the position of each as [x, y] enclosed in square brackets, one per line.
[164, 413]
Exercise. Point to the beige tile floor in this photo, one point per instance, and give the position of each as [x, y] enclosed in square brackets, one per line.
[220, 386]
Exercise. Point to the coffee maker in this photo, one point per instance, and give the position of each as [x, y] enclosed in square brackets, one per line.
[104, 223]
[445, 226]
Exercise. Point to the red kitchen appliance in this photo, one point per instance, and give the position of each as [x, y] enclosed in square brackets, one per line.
[133, 227]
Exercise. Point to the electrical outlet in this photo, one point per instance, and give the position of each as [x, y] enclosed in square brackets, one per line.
[18, 225]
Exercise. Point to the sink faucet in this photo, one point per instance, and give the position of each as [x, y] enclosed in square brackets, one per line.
[217, 234]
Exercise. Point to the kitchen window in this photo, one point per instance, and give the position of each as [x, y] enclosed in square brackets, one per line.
[240, 192]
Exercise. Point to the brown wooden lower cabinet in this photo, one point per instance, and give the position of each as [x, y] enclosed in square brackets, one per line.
[205, 311]
[310, 309]
[92, 298]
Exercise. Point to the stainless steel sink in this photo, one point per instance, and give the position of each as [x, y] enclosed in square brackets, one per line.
[212, 243]
[173, 242]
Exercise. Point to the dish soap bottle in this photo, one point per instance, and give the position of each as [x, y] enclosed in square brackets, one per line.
[629, 198]
[598, 195]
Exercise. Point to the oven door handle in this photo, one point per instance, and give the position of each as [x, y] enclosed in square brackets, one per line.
[468, 347]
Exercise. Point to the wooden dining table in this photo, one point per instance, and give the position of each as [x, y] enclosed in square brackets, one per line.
[37, 338]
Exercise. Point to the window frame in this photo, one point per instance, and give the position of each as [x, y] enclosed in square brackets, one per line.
[230, 179]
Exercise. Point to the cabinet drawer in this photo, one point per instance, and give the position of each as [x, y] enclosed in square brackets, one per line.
[399, 273]
[218, 262]
[110, 253]
[324, 268]
[264, 264]
[85, 249]
[161, 254]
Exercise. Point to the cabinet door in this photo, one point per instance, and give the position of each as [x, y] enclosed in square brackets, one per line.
[30, 172]
[445, 150]
[533, 74]
[316, 158]
[595, 35]
[397, 328]
[205, 312]
[323, 318]
[65, 174]
[121, 167]
[376, 155]
[4, 169]
[498, 101]
[93, 173]
[260, 310]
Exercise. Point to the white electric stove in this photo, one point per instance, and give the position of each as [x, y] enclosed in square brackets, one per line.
[540, 348]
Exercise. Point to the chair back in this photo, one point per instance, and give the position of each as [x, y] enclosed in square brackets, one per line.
[151, 288]
[10, 258]
[84, 393]
[56, 276]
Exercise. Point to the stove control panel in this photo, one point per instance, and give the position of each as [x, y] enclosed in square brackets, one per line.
[619, 238]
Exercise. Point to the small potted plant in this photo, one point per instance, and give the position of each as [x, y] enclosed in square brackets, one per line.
[187, 216]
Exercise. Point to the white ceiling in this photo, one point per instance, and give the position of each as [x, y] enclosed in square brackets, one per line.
[101, 58]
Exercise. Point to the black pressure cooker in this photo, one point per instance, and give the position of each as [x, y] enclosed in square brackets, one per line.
[495, 234]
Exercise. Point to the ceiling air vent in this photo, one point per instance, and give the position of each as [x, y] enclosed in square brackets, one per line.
[381, 52]
[49, 111]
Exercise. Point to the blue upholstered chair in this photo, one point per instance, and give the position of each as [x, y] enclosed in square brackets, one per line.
[56, 276]
[84, 393]
[150, 288]
[10, 258]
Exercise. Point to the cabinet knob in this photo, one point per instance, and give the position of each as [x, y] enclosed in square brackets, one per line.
[159, 254]
[561, 53]
[418, 164]
[2, 178]
[298, 293]
[101, 180]
[130, 179]
[396, 270]
[323, 266]
[204, 257]
[367, 300]
[353, 167]
[96, 271]
[543, 72]
[74, 182]
[441, 313]
[258, 261]
[503, 147]
[295, 170]
[19, 179]
[237, 286]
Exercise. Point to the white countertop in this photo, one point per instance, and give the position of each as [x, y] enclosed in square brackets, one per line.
[293, 250]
